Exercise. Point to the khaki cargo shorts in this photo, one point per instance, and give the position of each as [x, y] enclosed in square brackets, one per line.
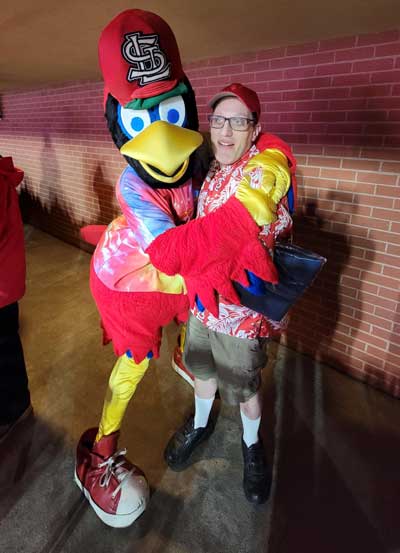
[236, 363]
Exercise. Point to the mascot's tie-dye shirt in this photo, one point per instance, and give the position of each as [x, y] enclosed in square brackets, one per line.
[120, 261]
[237, 320]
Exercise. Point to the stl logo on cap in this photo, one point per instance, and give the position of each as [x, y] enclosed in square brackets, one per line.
[149, 63]
[139, 57]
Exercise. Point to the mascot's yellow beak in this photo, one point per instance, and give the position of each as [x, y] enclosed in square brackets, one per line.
[163, 146]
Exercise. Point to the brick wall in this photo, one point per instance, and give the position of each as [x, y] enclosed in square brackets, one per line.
[337, 102]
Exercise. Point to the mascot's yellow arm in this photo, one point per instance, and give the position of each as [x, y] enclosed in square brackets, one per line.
[274, 176]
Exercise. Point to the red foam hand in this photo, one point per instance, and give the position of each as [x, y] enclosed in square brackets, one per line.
[212, 251]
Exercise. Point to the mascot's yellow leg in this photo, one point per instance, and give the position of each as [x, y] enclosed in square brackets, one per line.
[182, 338]
[124, 379]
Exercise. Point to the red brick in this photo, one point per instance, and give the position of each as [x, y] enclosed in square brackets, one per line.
[394, 115]
[383, 103]
[342, 151]
[367, 116]
[272, 75]
[387, 314]
[392, 141]
[366, 222]
[378, 38]
[370, 91]
[271, 53]
[247, 79]
[381, 153]
[334, 69]
[338, 174]
[365, 52]
[387, 214]
[282, 85]
[377, 321]
[369, 339]
[383, 128]
[395, 349]
[281, 106]
[293, 138]
[268, 117]
[337, 43]
[378, 301]
[313, 105]
[237, 68]
[316, 82]
[338, 345]
[299, 73]
[376, 201]
[309, 171]
[324, 161]
[329, 116]
[301, 116]
[310, 128]
[307, 149]
[382, 236]
[393, 250]
[391, 49]
[297, 95]
[318, 58]
[270, 96]
[280, 128]
[284, 63]
[386, 76]
[360, 164]
[392, 272]
[348, 104]
[384, 281]
[351, 79]
[328, 93]
[245, 57]
[373, 65]
[378, 178]
[381, 333]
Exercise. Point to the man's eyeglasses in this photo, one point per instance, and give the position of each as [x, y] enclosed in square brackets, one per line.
[236, 123]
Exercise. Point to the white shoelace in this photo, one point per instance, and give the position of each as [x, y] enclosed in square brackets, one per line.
[111, 469]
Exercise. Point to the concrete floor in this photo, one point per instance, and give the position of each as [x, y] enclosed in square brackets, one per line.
[333, 442]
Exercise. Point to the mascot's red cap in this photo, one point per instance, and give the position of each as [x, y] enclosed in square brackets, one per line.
[246, 95]
[138, 56]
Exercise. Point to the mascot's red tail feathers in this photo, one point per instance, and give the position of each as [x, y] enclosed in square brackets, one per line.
[92, 233]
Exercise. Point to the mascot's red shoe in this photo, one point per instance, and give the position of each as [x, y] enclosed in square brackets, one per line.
[116, 489]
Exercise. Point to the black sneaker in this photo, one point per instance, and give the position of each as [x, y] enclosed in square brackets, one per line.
[256, 473]
[184, 442]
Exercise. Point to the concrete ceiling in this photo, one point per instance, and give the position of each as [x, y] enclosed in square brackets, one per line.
[49, 41]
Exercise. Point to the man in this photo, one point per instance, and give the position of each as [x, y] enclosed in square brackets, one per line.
[15, 404]
[227, 352]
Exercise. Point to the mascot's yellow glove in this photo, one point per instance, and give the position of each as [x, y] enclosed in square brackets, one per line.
[271, 168]
[172, 284]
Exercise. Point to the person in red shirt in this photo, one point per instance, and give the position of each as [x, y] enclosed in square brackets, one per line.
[15, 403]
[227, 350]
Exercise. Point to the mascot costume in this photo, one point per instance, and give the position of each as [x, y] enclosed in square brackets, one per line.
[152, 263]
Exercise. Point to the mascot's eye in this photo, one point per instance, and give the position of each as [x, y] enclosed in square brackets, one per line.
[133, 121]
[173, 110]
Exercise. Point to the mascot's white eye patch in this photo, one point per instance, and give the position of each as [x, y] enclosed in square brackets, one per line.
[173, 110]
[133, 121]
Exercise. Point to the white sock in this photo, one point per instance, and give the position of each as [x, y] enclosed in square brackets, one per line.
[250, 429]
[202, 411]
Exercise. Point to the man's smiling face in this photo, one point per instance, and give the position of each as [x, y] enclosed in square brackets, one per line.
[229, 145]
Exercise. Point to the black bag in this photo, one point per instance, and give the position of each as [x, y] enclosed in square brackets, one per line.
[297, 269]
